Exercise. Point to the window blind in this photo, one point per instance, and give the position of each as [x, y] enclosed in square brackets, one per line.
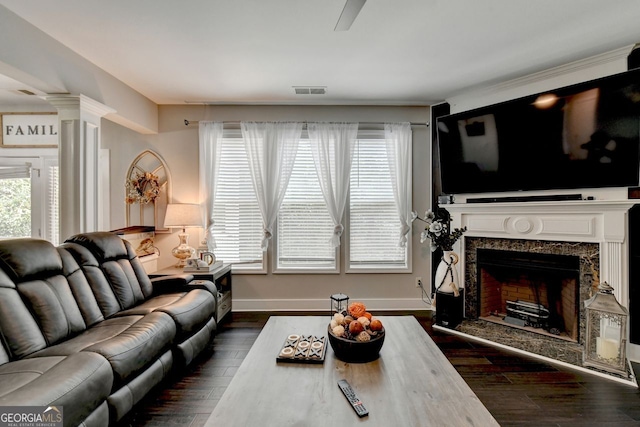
[304, 224]
[238, 224]
[11, 171]
[373, 216]
[52, 231]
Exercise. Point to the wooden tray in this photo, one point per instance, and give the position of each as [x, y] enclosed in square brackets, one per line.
[303, 349]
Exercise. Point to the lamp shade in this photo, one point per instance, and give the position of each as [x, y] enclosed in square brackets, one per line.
[181, 215]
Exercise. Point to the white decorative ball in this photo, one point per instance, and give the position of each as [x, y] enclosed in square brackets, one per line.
[333, 323]
[338, 331]
[339, 317]
[364, 321]
[363, 337]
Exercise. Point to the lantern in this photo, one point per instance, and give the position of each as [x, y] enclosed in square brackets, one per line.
[339, 303]
[606, 328]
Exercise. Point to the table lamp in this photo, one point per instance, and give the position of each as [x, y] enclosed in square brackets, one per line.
[183, 215]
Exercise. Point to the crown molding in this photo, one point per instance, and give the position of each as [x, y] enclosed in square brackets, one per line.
[601, 65]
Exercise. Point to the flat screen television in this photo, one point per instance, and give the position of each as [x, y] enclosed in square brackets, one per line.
[581, 136]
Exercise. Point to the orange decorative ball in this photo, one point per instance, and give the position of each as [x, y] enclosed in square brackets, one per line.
[367, 315]
[355, 328]
[357, 309]
[375, 325]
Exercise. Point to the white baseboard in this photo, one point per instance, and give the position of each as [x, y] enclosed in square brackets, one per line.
[322, 305]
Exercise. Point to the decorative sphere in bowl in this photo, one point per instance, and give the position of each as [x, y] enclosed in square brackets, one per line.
[352, 351]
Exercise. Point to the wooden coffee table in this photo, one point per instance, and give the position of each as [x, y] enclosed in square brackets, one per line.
[411, 384]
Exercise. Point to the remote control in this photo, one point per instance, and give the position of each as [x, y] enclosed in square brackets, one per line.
[353, 399]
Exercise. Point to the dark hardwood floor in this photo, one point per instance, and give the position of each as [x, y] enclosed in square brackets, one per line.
[517, 390]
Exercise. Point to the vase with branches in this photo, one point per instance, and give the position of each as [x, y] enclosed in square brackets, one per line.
[438, 232]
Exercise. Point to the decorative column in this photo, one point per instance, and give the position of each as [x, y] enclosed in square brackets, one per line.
[82, 207]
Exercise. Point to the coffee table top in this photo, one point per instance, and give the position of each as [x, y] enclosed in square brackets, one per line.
[411, 384]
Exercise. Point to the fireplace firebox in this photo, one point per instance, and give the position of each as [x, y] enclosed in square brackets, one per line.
[533, 291]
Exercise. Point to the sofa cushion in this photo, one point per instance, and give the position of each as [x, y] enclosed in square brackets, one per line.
[192, 311]
[53, 306]
[80, 288]
[80, 383]
[43, 311]
[4, 355]
[111, 267]
[189, 310]
[24, 259]
[20, 332]
[129, 343]
[107, 247]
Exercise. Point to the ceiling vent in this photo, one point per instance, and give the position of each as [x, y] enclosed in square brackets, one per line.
[26, 92]
[310, 90]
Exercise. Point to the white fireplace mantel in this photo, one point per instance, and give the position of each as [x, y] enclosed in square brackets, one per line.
[592, 221]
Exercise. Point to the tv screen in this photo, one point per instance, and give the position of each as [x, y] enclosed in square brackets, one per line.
[581, 136]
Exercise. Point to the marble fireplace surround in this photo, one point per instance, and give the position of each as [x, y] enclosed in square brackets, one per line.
[593, 230]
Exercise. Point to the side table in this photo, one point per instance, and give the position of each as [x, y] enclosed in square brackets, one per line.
[221, 277]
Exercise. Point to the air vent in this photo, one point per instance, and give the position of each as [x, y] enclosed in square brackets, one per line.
[26, 92]
[310, 90]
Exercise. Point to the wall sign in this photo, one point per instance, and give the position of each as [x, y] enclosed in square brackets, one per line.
[29, 130]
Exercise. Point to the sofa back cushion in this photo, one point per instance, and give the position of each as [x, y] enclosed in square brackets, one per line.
[23, 259]
[34, 269]
[80, 288]
[4, 356]
[113, 270]
[20, 332]
[54, 307]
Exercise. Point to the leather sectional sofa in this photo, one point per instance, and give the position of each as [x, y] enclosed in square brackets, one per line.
[83, 326]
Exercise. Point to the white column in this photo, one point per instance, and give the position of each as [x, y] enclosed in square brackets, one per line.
[81, 203]
[614, 260]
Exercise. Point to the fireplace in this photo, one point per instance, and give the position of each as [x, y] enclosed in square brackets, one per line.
[592, 232]
[537, 292]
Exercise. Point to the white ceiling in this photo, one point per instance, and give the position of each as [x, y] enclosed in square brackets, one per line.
[406, 52]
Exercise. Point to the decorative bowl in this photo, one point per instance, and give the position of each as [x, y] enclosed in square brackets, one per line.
[355, 351]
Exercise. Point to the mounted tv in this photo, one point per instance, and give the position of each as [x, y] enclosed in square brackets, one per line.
[581, 136]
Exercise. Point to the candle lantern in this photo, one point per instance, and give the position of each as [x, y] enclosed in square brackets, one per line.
[606, 328]
[339, 303]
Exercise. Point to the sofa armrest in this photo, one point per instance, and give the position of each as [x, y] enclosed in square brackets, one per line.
[173, 283]
[181, 283]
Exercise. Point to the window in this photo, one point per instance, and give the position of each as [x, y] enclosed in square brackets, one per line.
[304, 225]
[15, 202]
[29, 198]
[238, 224]
[374, 224]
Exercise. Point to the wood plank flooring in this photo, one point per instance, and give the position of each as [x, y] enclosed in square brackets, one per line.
[517, 390]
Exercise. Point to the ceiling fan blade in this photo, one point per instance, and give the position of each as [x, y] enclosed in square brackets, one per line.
[349, 14]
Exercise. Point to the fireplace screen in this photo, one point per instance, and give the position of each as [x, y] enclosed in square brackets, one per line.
[538, 292]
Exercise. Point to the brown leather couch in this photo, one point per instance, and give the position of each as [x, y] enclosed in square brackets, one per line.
[83, 327]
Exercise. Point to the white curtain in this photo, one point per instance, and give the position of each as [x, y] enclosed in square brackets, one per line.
[210, 137]
[332, 147]
[398, 138]
[271, 152]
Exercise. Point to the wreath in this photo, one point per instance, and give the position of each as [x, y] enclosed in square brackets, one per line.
[143, 189]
